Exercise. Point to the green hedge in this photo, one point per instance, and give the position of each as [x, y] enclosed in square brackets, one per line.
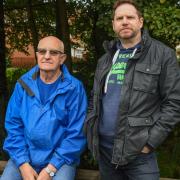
[13, 74]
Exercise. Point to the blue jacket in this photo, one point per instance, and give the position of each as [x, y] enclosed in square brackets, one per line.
[50, 133]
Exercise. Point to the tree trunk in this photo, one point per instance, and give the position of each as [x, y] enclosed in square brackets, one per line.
[3, 86]
[32, 25]
[62, 29]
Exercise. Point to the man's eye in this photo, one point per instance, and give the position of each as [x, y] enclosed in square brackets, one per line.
[42, 51]
[130, 17]
[53, 52]
[119, 18]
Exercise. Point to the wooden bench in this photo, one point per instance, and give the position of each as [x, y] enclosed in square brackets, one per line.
[82, 174]
[2, 165]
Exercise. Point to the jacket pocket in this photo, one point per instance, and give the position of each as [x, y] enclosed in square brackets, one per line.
[146, 77]
[88, 129]
[39, 138]
[137, 134]
[59, 114]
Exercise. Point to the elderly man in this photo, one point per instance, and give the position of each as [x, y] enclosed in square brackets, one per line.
[135, 100]
[44, 119]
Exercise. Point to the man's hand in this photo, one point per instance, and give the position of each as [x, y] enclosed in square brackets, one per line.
[27, 172]
[43, 175]
[146, 149]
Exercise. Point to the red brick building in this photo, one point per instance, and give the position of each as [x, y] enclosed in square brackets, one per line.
[20, 59]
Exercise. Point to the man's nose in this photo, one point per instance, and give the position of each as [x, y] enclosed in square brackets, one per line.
[47, 55]
[125, 20]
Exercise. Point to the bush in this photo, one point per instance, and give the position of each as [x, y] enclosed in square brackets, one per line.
[84, 71]
[169, 155]
[13, 74]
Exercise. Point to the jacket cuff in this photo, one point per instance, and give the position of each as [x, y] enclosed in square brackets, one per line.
[156, 137]
[21, 160]
[57, 163]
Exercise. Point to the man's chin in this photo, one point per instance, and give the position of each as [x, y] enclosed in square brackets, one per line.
[126, 36]
[46, 69]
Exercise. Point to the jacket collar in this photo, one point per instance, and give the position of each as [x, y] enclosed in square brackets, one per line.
[35, 72]
[30, 77]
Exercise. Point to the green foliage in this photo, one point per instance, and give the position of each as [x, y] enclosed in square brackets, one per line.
[3, 156]
[84, 70]
[93, 21]
[169, 155]
[163, 22]
[13, 74]
[90, 21]
[8, 62]
[17, 26]
[168, 166]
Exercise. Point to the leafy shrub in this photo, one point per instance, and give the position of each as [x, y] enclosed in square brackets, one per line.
[13, 74]
[84, 71]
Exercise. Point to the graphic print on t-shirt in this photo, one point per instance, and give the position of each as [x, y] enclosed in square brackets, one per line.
[118, 68]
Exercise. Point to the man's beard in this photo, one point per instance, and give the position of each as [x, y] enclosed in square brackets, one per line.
[128, 36]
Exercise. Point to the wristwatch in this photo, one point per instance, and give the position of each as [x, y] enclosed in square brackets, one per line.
[51, 173]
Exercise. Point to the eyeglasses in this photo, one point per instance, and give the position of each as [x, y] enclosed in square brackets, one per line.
[52, 52]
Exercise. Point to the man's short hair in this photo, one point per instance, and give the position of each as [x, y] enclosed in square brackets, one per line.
[120, 2]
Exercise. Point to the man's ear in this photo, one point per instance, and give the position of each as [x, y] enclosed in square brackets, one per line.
[141, 19]
[63, 58]
[113, 24]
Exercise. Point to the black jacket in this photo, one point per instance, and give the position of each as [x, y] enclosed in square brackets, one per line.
[150, 100]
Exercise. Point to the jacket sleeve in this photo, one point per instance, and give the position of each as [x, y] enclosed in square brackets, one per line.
[170, 100]
[74, 142]
[91, 103]
[15, 143]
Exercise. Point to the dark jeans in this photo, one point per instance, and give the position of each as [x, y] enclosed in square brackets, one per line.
[144, 167]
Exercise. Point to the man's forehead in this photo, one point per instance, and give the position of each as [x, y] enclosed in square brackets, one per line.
[126, 9]
[50, 43]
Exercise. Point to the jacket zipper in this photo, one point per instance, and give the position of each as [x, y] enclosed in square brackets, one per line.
[99, 92]
[126, 126]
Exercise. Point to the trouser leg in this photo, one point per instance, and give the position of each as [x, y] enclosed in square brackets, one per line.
[11, 172]
[108, 170]
[144, 167]
[66, 172]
